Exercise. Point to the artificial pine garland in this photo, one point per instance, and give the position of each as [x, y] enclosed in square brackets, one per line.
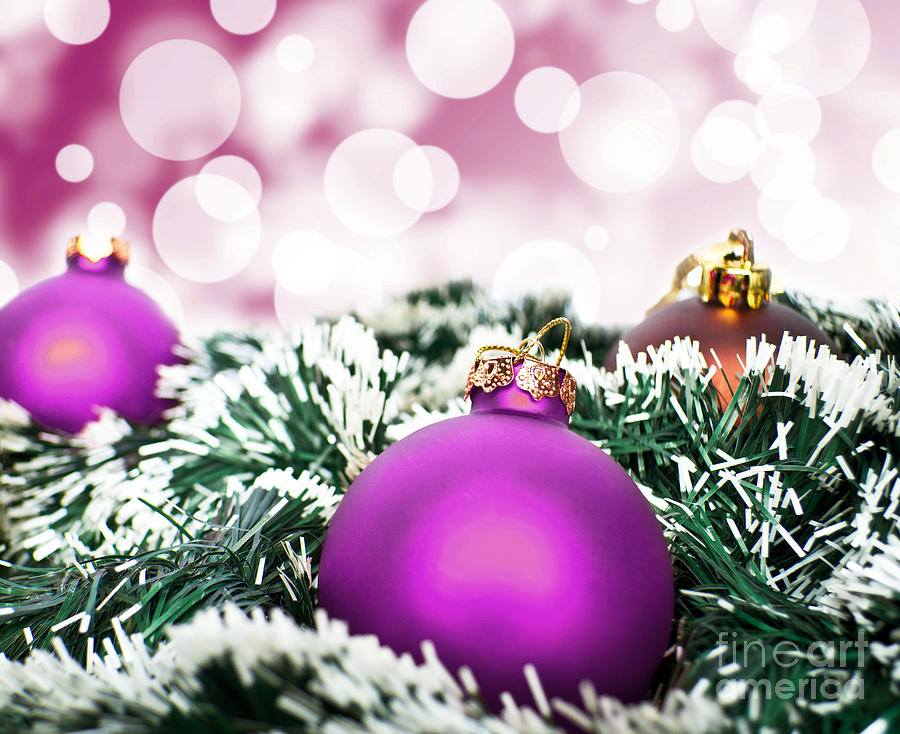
[130, 552]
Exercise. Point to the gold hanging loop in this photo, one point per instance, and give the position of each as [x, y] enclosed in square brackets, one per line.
[523, 351]
[536, 339]
[742, 238]
[497, 348]
[527, 345]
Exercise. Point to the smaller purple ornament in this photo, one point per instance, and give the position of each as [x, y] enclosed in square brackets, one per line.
[506, 539]
[84, 340]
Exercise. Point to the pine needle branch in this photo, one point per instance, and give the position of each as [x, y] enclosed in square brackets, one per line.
[781, 506]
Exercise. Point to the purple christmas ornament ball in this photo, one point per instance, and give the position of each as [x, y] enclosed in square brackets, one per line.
[506, 539]
[83, 340]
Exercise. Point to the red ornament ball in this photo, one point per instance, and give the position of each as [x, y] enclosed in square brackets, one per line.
[724, 330]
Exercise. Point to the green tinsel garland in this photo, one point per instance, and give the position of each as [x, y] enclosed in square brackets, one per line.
[124, 546]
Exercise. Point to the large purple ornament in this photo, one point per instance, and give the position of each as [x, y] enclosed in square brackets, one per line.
[506, 539]
[83, 340]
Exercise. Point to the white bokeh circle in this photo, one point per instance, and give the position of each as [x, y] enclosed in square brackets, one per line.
[179, 99]
[531, 15]
[426, 179]
[76, 21]
[552, 266]
[547, 99]
[295, 52]
[243, 17]
[596, 237]
[197, 246]
[732, 134]
[159, 289]
[727, 22]
[674, 15]
[74, 163]
[305, 262]
[816, 228]
[359, 183]
[389, 96]
[772, 212]
[832, 50]
[886, 160]
[791, 109]
[223, 198]
[229, 188]
[360, 291]
[786, 167]
[237, 169]
[770, 33]
[728, 142]
[777, 24]
[460, 48]
[634, 148]
[106, 219]
[758, 70]
[625, 135]
[709, 167]
[9, 283]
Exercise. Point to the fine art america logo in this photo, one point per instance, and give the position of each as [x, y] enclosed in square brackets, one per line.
[818, 673]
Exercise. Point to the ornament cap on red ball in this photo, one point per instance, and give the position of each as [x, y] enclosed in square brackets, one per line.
[85, 340]
[736, 280]
[506, 539]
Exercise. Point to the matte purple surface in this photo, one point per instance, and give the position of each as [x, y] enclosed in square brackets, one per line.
[81, 340]
[505, 539]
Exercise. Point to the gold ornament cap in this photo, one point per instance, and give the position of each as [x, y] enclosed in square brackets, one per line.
[530, 374]
[735, 279]
[95, 250]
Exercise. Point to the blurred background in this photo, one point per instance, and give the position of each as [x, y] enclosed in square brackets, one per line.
[274, 160]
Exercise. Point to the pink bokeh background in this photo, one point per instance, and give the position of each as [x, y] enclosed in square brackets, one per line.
[648, 165]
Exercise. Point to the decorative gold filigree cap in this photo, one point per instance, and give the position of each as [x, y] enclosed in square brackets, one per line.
[531, 374]
[96, 249]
